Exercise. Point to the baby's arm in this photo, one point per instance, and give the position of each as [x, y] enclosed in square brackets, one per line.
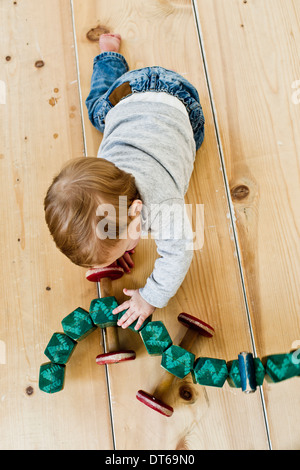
[174, 239]
[168, 274]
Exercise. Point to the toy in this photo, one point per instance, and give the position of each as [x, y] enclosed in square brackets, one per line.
[60, 348]
[77, 326]
[234, 376]
[282, 367]
[171, 362]
[156, 338]
[178, 361]
[51, 378]
[96, 274]
[101, 313]
[210, 372]
[157, 405]
[247, 372]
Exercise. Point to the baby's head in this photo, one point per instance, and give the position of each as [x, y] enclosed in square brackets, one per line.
[88, 209]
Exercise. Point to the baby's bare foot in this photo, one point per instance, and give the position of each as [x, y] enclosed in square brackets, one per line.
[110, 42]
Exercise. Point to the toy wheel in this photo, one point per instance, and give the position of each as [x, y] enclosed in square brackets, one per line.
[154, 403]
[195, 324]
[112, 271]
[115, 356]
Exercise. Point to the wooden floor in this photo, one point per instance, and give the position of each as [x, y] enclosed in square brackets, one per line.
[243, 56]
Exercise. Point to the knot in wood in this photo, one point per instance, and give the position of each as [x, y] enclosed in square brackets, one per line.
[240, 192]
[39, 64]
[29, 390]
[95, 33]
[186, 393]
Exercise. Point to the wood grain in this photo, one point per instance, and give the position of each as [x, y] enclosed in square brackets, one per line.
[40, 130]
[164, 33]
[253, 53]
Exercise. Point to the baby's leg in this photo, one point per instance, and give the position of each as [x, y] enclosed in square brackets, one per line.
[108, 67]
[110, 42]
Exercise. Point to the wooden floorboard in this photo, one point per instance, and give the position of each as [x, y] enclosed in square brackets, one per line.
[252, 53]
[41, 130]
[164, 33]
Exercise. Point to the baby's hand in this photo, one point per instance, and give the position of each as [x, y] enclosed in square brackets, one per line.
[126, 261]
[137, 308]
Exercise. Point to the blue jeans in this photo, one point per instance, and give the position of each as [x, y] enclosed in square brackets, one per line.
[111, 81]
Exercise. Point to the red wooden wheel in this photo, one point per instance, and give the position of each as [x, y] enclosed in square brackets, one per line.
[96, 274]
[154, 403]
[114, 357]
[195, 324]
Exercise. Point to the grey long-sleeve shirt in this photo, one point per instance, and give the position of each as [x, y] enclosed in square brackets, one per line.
[154, 142]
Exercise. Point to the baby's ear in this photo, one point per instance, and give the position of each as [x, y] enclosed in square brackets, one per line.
[135, 208]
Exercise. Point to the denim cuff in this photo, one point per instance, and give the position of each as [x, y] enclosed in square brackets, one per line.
[111, 55]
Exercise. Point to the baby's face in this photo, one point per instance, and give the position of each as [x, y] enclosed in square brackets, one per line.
[129, 243]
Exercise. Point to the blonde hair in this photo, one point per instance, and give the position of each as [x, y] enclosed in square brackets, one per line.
[71, 204]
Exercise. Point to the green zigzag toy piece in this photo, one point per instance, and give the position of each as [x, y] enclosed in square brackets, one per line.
[156, 338]
[60, 348]
[78, 324]
[282, 367]
[259, 371]
[101, 311]
[234, 378]
[52, 377]
[210, 372]
[177, 361]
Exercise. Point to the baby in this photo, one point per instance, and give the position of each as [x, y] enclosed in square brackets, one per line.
[98, 208]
